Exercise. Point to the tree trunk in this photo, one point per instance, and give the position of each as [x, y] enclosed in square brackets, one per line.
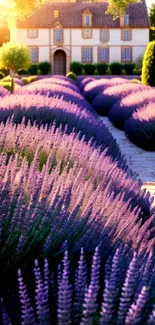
[12, 81]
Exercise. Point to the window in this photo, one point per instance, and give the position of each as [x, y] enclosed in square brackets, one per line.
[87, 33]
[34, 54]
[87, 55]
[103, 54]
[56, 13]
[126, 35]
[126, 20]
[58, 36]
[104, 35]
[32, 33]
[126, 54]
[87, 20]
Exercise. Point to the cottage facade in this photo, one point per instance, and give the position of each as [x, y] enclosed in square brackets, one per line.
[64, 32]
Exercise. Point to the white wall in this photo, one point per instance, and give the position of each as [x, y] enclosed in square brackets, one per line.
[20, 35]
[44, 54]
[140, 38]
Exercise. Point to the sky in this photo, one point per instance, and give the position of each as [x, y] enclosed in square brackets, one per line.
[149, 2]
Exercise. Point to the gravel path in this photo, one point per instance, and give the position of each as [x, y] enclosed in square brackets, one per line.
[140, 161]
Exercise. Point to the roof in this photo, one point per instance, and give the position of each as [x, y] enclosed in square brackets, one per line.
[70, 16]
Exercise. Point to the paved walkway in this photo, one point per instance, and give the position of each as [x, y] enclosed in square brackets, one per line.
[140, 161]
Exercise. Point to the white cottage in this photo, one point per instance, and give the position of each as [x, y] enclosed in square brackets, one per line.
[63, 32]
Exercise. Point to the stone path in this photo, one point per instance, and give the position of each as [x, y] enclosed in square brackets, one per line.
[140, 161]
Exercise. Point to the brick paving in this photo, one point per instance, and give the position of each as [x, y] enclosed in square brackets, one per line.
[140, 161]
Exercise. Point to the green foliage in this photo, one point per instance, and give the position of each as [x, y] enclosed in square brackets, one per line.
[152, 20]
[137, 71]
[28, 80]
[102, 68]
[33, 69]
[117, 8]
[76, 67]
[2, 75]
[23, 71]
[116, 68]
[129, 67]
[136, 81]
[89, 68]
[14, 56]
[44, 67]
[148, 68]
[7, 85]
[71, 75]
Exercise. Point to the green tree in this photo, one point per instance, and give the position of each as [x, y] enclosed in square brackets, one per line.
[17, 9]
[117, 8]
[14, 56]
[148, 68]
[152, 20]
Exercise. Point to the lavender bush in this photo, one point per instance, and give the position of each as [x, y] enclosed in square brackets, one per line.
[93, 88]
[43, 110]
[3, 92]
[83, 82]
[123, 109]
[52, 89]
[140, 127]
[76, 295]
[50, 195]
[103, 102]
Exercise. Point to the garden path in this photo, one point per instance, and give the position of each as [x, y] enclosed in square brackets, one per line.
[140, 161]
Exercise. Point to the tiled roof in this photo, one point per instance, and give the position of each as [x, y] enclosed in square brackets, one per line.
[70, 16]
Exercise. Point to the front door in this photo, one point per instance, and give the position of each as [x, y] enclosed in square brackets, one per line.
[60, 62]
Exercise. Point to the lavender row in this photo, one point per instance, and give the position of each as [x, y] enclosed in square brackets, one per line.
[92, 89]
[104, 101]
[120, 294]
[42, 110]
[55, 187]
[140, 127]
[123, 109]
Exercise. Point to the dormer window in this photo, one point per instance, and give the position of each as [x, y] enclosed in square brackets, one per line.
[87, 18]
[126, 20]
[56, 13]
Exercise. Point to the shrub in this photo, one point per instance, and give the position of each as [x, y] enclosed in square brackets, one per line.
[7, 85]
[84, 81]
[2, 75]
[59, 90]
[28, 80]
[16, 80]
[43, 110]
[129, 67]
[89, 68]
[93, 88]
[71, 75]
[33, 69]
[67, 295]
[148, 68]
[136, 81]
[116, 68]
[140, 127]
[123, 109]
[23, 72]
[102, 68]
[44, 67]
[3, 91]
[137, 71]
[76, 67]
[103, 102]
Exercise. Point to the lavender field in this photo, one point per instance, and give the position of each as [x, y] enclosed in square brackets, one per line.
[76, 230]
